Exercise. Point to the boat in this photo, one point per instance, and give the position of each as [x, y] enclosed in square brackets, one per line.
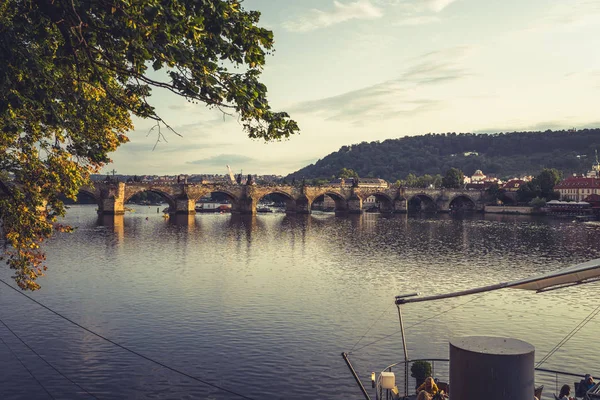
[212, 207]
[385, 381]
[263, 210]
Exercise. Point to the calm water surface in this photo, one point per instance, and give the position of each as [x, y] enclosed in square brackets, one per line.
[265, 305]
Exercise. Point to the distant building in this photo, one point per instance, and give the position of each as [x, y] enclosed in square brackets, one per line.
[578, 188]
[595, 172]
[513, 185]
[478, 176]
[370, 202]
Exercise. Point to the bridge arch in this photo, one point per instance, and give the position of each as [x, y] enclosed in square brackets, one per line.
[218, 195]
[340, 203]
[91, 194]
[383, 202]
[164, 195]
[288, 199]
[462, 202]
[230, 195]
[422, 202]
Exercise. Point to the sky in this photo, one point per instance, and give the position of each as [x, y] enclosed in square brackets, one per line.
[350, 71]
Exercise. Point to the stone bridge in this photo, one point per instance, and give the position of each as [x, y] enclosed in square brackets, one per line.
[182, 197]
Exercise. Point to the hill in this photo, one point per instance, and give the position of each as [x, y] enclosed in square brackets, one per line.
[502, 154]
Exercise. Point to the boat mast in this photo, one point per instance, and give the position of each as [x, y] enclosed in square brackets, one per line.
[404, 346]
[399, 305]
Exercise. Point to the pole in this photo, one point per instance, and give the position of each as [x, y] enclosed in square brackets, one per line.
[405, 350]
[362, 388]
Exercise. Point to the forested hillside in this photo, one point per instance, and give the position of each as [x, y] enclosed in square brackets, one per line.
[502, 154]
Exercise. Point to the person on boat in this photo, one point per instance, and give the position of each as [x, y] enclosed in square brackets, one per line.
[564, 393]
[586, 384]
[423, 395]
[428, 386]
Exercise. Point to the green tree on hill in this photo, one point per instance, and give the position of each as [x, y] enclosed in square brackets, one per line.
[502, 154]
[454, 178]
[345, 173]
[74, 73]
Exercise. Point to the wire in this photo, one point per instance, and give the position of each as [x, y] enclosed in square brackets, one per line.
[371, 327]
[418, 323]
[44, 360]
[130, 350]
[568, 337]
[24, 366]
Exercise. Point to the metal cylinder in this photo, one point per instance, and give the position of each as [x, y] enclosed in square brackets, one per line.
[491, 368]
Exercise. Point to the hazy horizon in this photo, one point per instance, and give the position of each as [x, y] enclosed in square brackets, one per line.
[350, 71]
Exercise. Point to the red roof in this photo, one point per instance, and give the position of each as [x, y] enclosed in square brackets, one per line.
[576, 182]
[513, 183]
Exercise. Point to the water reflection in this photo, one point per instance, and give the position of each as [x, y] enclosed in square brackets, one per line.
[114, 224]
[187, 220]
[268, 302]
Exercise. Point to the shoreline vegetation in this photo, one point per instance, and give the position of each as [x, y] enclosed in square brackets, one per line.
[504, 155]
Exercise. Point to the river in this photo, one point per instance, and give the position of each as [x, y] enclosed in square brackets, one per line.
[264, 305]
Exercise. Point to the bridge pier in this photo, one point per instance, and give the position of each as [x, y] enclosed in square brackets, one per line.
[400, 206]
[443, 205]
[355, 205]
[245, 205]
[183, 206]
[303, 205]
[386, 207]
[112, 201]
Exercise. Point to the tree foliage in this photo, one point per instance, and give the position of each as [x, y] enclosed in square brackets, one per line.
[542, 186]
[74, 72]
[345, 173]
[454, 178]
[425, 181]
[505, 155]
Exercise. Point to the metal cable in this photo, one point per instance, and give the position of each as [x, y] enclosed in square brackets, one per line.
[564, 340]
[44, 360]
[418, 323]
[371, 327]
[24, 366]
[130, 350]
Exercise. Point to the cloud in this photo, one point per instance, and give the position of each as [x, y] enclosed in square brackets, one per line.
[418, 20]
[222, 160]
[567, 16]
[342, 12]
[180, 106]
[416, 12]
[400, 97]
[438, 5]
[567, 123]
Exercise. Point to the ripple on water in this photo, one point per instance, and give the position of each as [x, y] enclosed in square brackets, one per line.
[265, 305]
